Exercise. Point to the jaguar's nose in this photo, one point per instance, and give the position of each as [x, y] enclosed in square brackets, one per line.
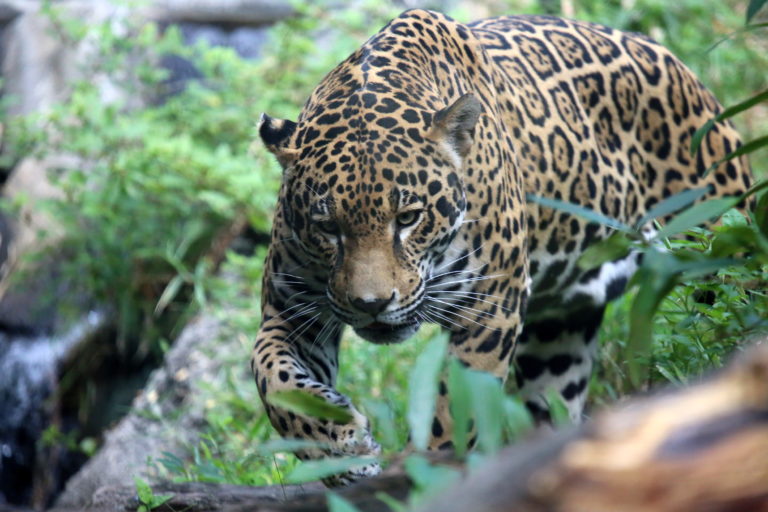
[372, 307]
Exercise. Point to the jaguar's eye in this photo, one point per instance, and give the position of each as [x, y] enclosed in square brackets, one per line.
[407, 218]
[329, 227]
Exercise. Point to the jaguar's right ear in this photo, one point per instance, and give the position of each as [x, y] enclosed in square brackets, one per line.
[276, 134]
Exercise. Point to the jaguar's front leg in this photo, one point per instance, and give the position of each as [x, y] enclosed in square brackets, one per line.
[300, 353]
[485, 342]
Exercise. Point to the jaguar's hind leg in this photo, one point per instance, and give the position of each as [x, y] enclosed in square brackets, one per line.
[557, 354]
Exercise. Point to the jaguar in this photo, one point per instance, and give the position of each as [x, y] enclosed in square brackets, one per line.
[404, 202]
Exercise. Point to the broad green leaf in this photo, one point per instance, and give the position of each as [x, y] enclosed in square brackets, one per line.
[160, 499]
[307, 404]
[581, 211]
[460, 397]
[287, 445]
[143, 490]
[489, 420]
[338, 504]
[733, 217]
[312, 470]
[383, 419]
[747, 148]
[699, 135]
[422, 390]
[733, 240]
[612, 248]
[703, 267]
[518, 418]
[672, 204]
[429, 477]
[696, 215]
[753, 7]
[558, 411]
[655, 286]
[761, 214]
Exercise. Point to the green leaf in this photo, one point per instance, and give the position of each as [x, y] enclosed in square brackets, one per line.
[171, 290]
[612, 248]
[307, 404]
[393, 504]
[761, 214]
[558, 411]
[581, 211]
[487, 412]
[703, 267]
[742, 30]
[460, 397]
[427, 476]
[747, 148]
[699, 135]
[383, 419]
[338, 504]
[143, 490]
[422, 390]
[655, 286]
[312, 470]
[753, 7]
[733, 240]
[696, 215]
[518, 418]
[287, 445]
[160, 499]
[672, 204]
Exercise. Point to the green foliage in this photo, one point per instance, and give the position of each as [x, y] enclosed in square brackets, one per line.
[338, 504]
[147, 498]
[423, 390]
[157, 178]
[53, 436]
[314, 470]
[698, 136]
[307, 404]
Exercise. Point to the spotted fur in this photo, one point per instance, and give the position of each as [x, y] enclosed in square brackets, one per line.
[404, 202]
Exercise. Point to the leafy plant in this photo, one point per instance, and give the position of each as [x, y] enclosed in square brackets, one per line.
[148, 501]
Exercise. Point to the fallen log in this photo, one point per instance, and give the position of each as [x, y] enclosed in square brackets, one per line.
[700, 448]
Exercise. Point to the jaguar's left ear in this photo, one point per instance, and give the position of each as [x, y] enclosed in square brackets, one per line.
[275, 134]
[456, 123]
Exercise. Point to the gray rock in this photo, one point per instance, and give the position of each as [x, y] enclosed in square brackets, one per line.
[154, 424]
[234, 12]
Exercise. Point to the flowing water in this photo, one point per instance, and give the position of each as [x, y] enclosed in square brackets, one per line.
[28, 372]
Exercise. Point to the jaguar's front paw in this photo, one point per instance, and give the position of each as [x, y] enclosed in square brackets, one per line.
[356, 443]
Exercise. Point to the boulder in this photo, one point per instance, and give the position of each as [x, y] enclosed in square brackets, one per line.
[154, 425]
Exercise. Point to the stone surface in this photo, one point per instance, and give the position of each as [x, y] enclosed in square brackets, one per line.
[234, 12]
[165, 417]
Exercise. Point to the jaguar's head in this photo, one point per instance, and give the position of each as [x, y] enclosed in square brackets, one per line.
[375, 198]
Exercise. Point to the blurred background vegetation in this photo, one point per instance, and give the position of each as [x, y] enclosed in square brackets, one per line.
[150, 215]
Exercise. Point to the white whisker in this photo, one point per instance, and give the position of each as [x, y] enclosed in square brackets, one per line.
[459, 258]
[469, 280]
[460, 306]
[302, 328]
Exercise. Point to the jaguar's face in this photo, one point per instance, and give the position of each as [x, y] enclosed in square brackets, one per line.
[376, 214]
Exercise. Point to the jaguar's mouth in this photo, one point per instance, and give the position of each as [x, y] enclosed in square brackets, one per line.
[380, 332]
